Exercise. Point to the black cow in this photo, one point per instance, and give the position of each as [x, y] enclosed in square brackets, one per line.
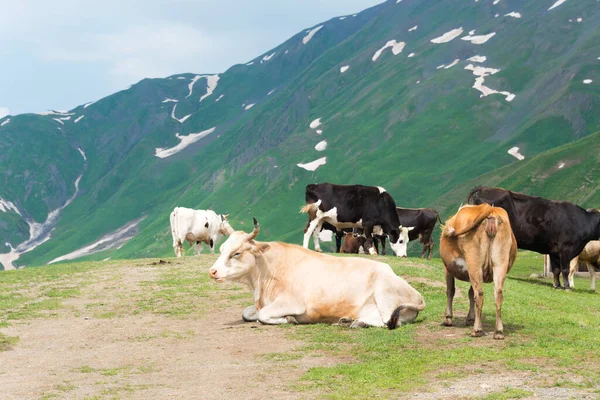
[558, 228]
[422, 220]
[353, 206]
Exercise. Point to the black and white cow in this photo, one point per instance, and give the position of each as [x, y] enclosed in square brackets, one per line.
[558, 228]
[421, 222]
[353, 206]
[339, 233]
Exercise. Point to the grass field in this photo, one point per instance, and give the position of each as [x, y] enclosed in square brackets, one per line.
[141, 329]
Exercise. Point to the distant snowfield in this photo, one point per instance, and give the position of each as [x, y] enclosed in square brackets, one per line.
[54, 112]
[440, 66]
[495, 2]
[167, 100]
[250, 63]
[268, 57]
[181, 77]
[6, 121]
[448, 36]
[185, 141]
[6, 206]
[481, 39]
[109, 241]
[411, 55]
[79, 118]
[313, 165]
[322, 145]
[219, 98]
[315, 124]
[86, 105]
[513, 14]
[587, 81]
[472, 32]
[344, 68]
[342, 18]
[311, 33]
[249, 106]
[319, 131]
[558, 3]
[481, 73]
[271, 92]
[397, 48]
[414, 28]
[579, 19]
[452, 64]
[180, 120]
[561, 165]
[514, 151]
[478, 59]
[211, 84]
[191, 84]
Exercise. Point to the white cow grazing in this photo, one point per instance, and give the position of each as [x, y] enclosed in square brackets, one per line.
[291, 284]
[197, 226]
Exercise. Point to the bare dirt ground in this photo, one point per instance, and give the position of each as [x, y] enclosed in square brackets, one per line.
[78, 356]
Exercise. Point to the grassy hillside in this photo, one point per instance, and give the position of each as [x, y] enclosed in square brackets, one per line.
[422, 132]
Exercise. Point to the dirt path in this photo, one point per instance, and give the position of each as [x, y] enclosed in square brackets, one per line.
[143, 356]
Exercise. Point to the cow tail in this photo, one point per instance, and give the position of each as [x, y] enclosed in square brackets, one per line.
[307, 208]
[450, 231]
[393, 321]
[472, 196]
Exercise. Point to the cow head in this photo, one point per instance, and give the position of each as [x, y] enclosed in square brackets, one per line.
[399, 247]
[238, 256]
[224, 227]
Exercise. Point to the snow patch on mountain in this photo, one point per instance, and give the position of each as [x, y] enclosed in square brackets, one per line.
[191, 84]
[6, 121]
[315, 124]
[587, 81]
[319, 131]
[211, 84]
[397, 48]
[219, 98]
[579, 19]
[271, 92]
[480, 39]
[86, 105]
[313, 165]
[82, 154]
[249, 106]
[344, 68]
[448, 36]
[513, 14]
[6, 206]
[558, 3]
[180, 120]
[481, 73]
[311, 33]
[79, 118]
[185, 141]
[514, 151]
[411, 55]
[322, 145]
[478, 59]
[55, 112]
[109, 241]
[452, 64]
[414, 28]
[167, 100]
[268, 57]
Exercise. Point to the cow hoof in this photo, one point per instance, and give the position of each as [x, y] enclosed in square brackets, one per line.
[358, 324]
[447, 322]
[498, 335]
[345, 322]
[318, 250]
[558, 287]
[292, 320]
[478, 333]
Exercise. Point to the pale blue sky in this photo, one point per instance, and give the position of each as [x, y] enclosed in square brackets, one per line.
[57, 54]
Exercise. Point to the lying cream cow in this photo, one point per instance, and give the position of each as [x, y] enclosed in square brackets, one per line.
[291, 284]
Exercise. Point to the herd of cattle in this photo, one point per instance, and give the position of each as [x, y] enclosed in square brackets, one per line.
[292, 284]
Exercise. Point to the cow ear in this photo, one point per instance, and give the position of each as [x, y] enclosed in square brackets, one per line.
[224, 217]
[411, 228]
[260, 248]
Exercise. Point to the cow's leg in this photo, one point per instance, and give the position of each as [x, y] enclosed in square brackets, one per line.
[369, 243]
[178, 247]
[592, 272]
[476, 283]
[499, 277]
[565, 262]
[250, 314]
[573, 266]
[471, 314]
[338, 240]
[198, 248]
[316, 237]
[211, 243]
[382, 238]
[431, 244]
[310, 230]
[425, 247]
[555, 267]
[276, 312]
[450, 292]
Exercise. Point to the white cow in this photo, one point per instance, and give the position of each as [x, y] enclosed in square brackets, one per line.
[197, 226]
[590, 256]
[291, 284]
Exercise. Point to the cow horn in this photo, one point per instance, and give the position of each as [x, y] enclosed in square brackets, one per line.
[254, 233]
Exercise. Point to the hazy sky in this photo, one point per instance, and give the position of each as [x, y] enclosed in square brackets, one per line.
[56, 54]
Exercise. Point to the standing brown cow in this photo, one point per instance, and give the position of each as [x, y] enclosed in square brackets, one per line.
[478, 245]
[353, 244]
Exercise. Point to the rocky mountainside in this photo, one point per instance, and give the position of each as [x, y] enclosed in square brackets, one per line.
[423, 98]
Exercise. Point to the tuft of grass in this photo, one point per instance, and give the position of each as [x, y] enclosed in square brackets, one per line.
[508, 393]
[6, 342]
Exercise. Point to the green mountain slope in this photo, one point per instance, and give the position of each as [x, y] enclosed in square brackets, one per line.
[391, 120]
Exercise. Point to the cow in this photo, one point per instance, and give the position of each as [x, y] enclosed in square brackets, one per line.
[558, 228]
[291, 284]
[421, 222]
[353, 243]
[197, 226]
[590, 256]
[339, 233]
[353, 206]
[478, 245]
